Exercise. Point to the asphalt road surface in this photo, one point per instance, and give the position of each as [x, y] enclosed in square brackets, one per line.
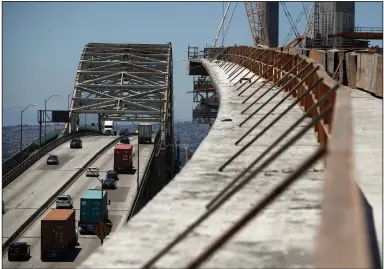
[121, 201]
[31, 189]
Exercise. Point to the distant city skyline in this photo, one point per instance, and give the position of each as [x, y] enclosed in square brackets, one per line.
[42, 43]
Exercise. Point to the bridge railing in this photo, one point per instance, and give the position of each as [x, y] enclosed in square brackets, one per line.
[27, 151]
[343, 238]
[137, 205]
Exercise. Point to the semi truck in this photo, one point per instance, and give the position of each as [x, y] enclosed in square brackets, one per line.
[93, 209]
[122, 162]
[58, 233]
[145, 133]
[108, 127]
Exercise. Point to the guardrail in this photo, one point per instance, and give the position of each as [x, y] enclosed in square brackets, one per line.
[135, 206]
[21, 168]
[27, 151]
[343, 239]
[34, 147]
[45, 206]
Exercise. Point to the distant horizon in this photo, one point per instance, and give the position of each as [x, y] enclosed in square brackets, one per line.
[61, 124]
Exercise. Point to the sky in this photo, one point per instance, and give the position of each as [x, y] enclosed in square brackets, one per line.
[43, 41]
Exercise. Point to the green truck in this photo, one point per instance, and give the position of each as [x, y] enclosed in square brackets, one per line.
[93, 209]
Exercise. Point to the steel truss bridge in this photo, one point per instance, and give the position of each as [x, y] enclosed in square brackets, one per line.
[125, 82]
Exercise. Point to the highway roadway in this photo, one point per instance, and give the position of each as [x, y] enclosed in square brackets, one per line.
[31, 189]
[121, 201]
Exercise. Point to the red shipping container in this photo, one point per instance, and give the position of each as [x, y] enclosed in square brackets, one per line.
[123, 158]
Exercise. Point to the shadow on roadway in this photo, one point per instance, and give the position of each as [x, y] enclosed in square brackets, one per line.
[69, 256]
[372, 236]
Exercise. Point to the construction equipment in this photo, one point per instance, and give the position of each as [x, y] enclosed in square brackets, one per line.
[258, 23]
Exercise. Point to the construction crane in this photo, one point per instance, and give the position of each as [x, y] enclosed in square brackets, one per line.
[257, 19]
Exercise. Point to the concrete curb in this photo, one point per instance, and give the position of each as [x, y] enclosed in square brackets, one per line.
[45, 206]
[21, 168]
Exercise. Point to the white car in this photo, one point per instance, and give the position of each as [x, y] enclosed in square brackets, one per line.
[64, 201]
[92, 172]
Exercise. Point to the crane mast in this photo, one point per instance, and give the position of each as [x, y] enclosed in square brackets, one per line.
[257, 19]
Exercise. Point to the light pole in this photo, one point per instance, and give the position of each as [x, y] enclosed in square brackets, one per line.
[138, 160]
[45, 117]
[69, 100]
[21, 131]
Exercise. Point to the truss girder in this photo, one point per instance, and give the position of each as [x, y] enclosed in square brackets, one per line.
[125, 82]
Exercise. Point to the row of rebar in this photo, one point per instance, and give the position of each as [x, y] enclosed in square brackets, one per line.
[317, 97]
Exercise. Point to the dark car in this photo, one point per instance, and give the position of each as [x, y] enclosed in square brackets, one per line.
[76, 143]
[125, 140]
[109, 183]
[124, 132]
[113, 174]
[19, 251]
[53, 159]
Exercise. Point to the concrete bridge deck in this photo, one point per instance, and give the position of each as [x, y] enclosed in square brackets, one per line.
[368, 126]
[282, 236]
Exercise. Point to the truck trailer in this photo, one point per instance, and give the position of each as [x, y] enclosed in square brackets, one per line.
[122, 162]
[145, 133]
[58, 233]
[93, 209]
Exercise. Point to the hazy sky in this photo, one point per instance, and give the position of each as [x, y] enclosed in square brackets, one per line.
[43, 41]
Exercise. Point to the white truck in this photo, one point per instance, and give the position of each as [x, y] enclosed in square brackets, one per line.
[108, 127]
[145, 133]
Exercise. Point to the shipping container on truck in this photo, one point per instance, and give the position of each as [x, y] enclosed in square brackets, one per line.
[93, 209]
[58, 233]
[145, 133]
[122, 162]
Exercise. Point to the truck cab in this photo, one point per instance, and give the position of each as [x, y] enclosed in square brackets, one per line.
[108, 127]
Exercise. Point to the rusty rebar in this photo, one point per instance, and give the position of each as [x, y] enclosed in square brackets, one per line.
[265, 82]
[230, 57]
[269, 198]
[281, 115]
[240, 73]
[261, 76]
[268, 54]
[273, 85]
[259, 51]
[282, 88]
[217, 54]
[272, 97]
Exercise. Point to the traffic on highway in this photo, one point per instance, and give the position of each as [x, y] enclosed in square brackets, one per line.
[80, 218]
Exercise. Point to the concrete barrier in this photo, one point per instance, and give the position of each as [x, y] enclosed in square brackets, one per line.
[44, 207]
[323, 58]
[342, 72]
[369, 73]
[332, 61]
[296, 51]
[351, 68]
